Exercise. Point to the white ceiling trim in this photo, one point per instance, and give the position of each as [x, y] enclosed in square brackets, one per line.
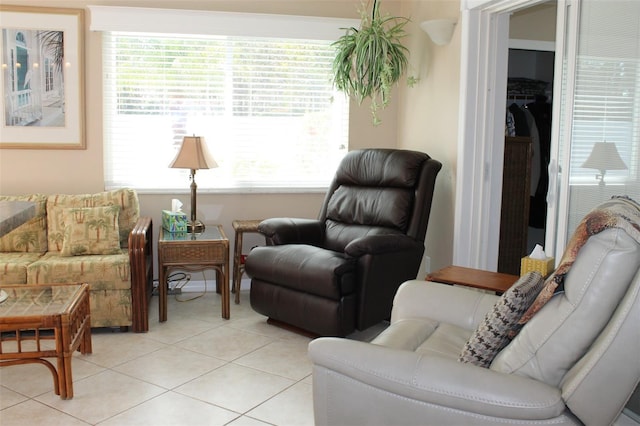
[204, 22]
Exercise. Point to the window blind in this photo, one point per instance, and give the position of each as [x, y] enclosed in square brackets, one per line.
[606, 104]
[265, 106]
[606, 108]
[257, 87]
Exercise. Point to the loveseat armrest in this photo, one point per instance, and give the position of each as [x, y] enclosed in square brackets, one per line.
[141, 264]
[281, 230]
[460, 306]
[361, 383]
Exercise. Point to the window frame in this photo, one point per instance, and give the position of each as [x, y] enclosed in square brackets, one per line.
[190, 22]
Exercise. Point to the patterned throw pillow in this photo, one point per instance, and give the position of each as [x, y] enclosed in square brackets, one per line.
[500, 325]
[91, 230]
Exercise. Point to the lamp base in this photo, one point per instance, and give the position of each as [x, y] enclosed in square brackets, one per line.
[195, 227]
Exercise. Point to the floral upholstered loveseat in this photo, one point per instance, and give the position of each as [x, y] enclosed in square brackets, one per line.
[99, 239]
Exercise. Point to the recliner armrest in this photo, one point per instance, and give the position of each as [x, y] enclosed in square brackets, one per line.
[141, 265]
[382, 244]
[431, 380]
[281, 230]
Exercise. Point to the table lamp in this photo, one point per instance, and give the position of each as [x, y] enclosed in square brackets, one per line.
[604, 156]
[193, 155]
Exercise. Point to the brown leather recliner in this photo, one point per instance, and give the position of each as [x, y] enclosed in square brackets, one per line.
[340, 272]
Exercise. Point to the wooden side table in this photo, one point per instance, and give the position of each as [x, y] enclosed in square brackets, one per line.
[240, 227]
[476, 278]
[194, 252]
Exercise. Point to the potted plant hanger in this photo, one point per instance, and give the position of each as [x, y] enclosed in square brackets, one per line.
[370, 60]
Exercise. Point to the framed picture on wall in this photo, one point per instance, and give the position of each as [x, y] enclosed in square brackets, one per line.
[42, 81]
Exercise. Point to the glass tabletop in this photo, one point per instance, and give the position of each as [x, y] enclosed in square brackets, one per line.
[211, 232]
[29, 300]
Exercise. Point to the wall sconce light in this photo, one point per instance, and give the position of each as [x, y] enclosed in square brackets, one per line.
[604, 156]
[193, 155]
[439, 31]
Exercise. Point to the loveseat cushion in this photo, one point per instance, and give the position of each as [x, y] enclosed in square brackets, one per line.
[31, 236]
[13, 267]
[108, 276]
[127, 199]
[424, 336]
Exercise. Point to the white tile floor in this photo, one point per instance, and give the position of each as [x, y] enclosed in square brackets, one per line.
[194, 369]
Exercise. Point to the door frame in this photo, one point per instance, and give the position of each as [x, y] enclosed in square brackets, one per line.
[484, 63]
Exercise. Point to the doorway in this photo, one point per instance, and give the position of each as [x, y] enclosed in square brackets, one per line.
[530, 75]
[481, 135]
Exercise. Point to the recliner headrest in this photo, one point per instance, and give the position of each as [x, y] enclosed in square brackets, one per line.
[381, 167]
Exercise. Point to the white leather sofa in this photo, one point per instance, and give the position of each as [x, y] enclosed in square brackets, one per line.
[577, 361]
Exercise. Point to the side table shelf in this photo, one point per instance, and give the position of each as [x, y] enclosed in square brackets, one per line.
[240, 227]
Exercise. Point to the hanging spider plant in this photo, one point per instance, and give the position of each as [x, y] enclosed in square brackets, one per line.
[371, 59]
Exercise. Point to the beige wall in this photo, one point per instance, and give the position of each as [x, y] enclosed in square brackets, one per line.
[428, 117]
[422, 118]
[535, 23]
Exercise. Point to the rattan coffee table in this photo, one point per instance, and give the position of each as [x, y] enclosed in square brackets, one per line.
[45, 321]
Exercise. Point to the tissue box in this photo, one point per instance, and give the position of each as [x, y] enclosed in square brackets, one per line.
[174, 221]
[545, 267]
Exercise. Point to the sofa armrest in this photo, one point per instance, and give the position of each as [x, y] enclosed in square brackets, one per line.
[427, 380]
[461, 306]
[279, 231]
[141, 264]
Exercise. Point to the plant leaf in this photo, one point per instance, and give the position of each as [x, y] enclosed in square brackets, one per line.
[369, 61]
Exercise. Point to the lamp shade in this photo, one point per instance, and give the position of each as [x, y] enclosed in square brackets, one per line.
[193, 155]
[439, 31]
[604, 156]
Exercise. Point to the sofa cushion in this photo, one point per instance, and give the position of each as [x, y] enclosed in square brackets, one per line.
[91, 230]
[110, 308]
[102, 272]
[31, 236]
[500, 324]
[108, 276]
[127, 199]
[13, 267]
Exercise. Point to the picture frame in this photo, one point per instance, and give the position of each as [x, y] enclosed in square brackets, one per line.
[42, 78]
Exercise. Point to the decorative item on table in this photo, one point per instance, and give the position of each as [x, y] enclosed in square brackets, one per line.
[604, 156]
[174, 220]
[537, 261]
[193, 155]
